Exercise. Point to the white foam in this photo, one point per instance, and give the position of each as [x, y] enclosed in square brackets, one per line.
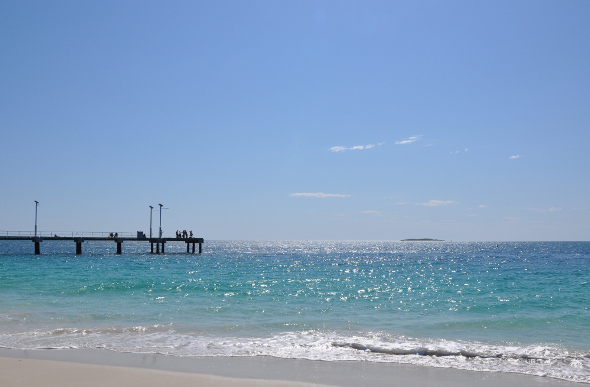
[548, 361]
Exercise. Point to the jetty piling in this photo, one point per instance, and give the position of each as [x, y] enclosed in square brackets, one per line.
[37, 242]
[78, 245]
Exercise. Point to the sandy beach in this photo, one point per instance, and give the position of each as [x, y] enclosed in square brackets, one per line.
[102, 367]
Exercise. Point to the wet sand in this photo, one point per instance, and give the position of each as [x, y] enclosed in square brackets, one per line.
[67, 368]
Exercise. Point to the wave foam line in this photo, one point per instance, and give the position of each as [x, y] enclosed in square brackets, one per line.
[422, 351]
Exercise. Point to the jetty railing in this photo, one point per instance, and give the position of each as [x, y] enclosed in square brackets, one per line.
[72, 234]
[81, 236]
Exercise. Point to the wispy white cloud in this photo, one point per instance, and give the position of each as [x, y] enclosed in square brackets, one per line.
[318, 195]
[515, 157]
[338, 148]
[511, 219]
[371, 212]
[551, 209]
[436, 203]
[408, 141]
[356, 147]
[482, 206]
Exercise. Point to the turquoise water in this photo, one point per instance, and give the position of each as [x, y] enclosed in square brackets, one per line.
[511, 307]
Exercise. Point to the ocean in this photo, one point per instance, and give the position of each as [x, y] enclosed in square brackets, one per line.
[489, 307]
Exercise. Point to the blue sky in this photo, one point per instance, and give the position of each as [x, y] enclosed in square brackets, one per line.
[307, 120]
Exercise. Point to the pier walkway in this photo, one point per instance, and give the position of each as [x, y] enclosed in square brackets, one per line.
[80, 237]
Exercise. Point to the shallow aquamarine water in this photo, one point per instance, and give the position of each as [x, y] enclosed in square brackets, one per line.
[518, 307]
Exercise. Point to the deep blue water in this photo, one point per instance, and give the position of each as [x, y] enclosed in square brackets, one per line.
[513, 307]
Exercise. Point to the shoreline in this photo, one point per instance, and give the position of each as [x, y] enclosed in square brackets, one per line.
[89, 367]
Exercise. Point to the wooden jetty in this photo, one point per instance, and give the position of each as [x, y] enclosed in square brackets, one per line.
[117, 239]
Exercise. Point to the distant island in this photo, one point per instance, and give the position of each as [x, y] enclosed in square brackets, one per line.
[422, 240]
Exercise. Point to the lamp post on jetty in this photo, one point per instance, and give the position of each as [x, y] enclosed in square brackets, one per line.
[151, 208]
[36, 206]
[160, 204]
[160, 240]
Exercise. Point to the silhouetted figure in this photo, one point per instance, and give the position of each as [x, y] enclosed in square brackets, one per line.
[191, 233]
[111, 235]
[116, 235]
[184, 234]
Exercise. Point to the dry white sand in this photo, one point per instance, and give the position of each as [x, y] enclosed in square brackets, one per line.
[32, 372]
[69, 368]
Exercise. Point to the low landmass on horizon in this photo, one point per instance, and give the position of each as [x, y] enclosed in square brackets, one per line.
[423, 240]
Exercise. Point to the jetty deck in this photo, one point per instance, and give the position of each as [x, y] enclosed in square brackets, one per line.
[79, 238]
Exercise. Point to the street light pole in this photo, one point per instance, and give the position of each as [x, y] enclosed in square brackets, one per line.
[151, 208]
[160, 219]
[36, 205]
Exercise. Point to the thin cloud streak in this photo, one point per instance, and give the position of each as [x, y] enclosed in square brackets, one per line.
[515, 157]
[552, 209]
[511, 219]
[408, 141]
[356, 147]
[318, 195]
[436, 203]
